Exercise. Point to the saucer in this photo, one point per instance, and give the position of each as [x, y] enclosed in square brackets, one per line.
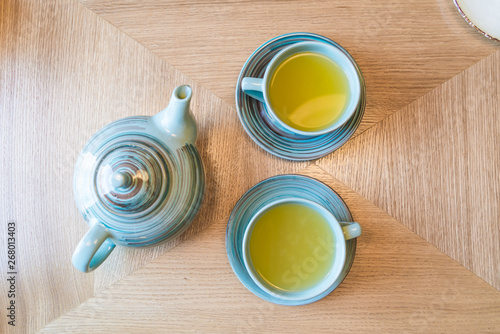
[250, 111]
[270, 190]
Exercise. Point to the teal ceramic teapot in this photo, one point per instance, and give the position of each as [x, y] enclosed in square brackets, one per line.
[138, 181]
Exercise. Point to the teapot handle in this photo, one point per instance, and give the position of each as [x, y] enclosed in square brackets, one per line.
[93, 249]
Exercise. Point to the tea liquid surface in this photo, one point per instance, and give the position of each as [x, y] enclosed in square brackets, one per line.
[308, 91]
[291, 247]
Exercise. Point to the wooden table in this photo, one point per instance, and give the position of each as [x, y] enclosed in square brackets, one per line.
[421, 174]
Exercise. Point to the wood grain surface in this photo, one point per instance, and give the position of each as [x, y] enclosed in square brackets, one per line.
[67, 73]
[435, 165]
[398, 283]
[67, 69]
[404, 48]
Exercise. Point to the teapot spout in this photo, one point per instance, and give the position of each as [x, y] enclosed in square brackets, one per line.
[175, 121]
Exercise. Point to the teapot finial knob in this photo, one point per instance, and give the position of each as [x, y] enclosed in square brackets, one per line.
[121, 180]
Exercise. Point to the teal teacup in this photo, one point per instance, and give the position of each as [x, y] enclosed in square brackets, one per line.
[294, 249]
[308, 89]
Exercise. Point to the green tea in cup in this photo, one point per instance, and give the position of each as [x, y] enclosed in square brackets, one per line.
[294, 249]
[308, 91]
[308, 88]
[291, 247]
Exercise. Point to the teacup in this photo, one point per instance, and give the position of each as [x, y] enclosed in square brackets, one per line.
[308, 89]
[295, 249]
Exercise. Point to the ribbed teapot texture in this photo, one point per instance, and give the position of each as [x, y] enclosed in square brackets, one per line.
[140, 180]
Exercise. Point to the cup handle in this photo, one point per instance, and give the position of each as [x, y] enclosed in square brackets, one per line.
[93, 249]
[351, 230]
[253, 87]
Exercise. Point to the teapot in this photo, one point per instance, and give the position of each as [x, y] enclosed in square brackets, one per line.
[138, 181]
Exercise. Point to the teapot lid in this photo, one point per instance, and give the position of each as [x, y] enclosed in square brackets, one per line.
[128, 180]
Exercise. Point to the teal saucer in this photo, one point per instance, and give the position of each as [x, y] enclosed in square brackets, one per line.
[270, 190]
[271, 137]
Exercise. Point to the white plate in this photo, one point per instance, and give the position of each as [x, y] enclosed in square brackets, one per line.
[484, 15]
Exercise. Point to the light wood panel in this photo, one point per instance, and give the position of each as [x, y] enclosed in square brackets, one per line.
[404, 48]
[398, 283]
[65, 73]
[435, 165]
